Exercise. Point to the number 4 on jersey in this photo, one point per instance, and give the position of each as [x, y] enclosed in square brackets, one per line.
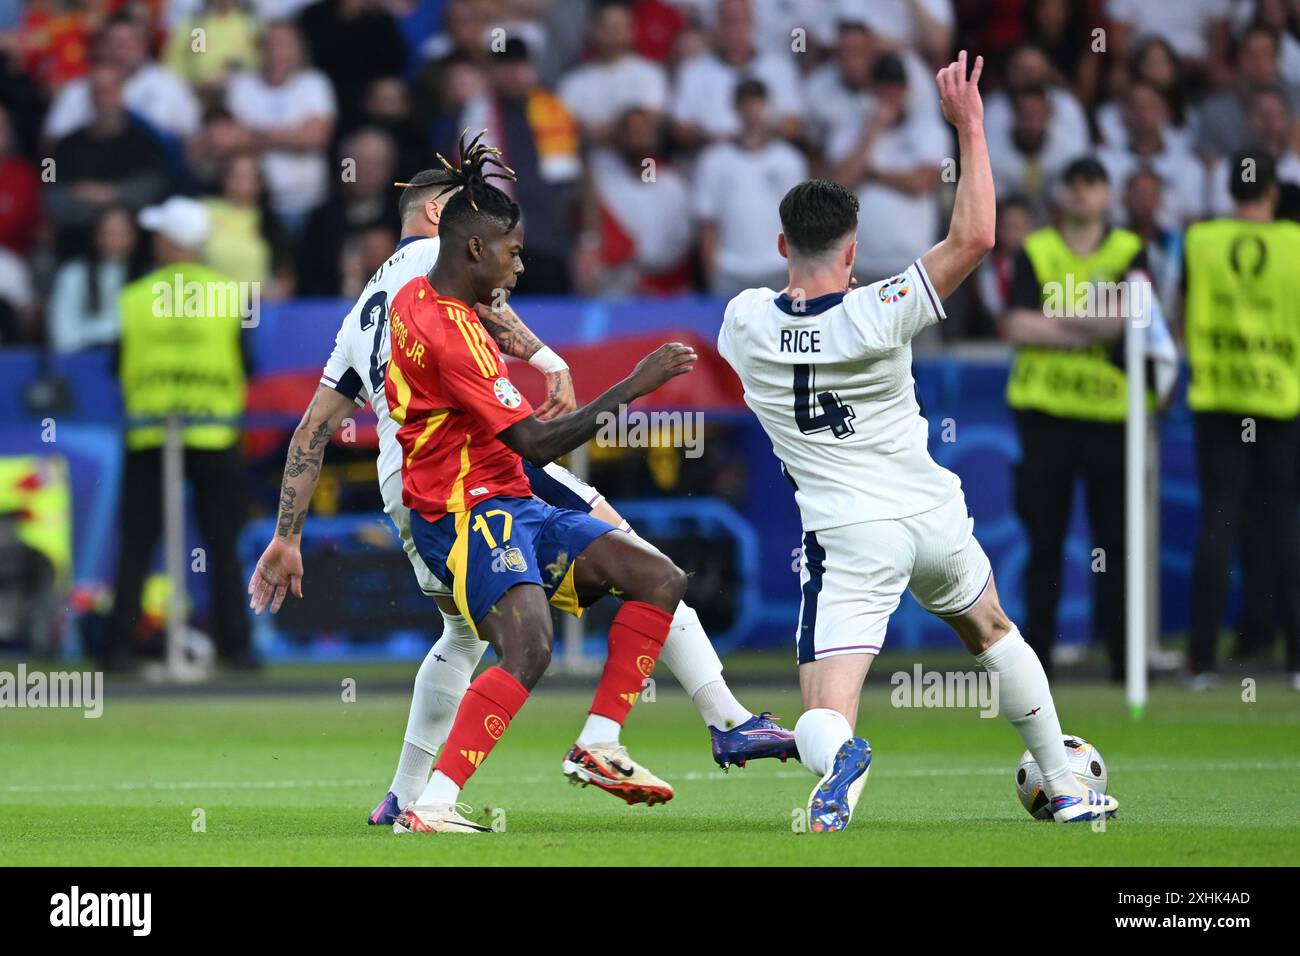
[833, 413]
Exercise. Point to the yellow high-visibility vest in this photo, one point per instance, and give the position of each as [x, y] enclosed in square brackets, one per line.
[1073, 383]
[180, 354]
[1243, 317]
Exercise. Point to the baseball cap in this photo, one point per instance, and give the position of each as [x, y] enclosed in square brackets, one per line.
[1085, 167]
[184, 221]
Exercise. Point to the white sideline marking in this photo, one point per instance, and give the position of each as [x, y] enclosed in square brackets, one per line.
[533, 780]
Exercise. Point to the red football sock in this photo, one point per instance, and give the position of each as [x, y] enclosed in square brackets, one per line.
[485, 712]
[635, 639]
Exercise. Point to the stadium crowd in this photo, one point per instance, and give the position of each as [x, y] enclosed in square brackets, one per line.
[652, 138]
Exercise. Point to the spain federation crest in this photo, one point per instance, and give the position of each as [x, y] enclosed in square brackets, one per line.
[506, 393]
[513, 560]
[894, 289]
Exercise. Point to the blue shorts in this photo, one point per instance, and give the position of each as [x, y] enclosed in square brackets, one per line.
[482, 553]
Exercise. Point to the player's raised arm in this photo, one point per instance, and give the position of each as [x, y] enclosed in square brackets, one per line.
[542, 442]
[517, 340]
[279, 569]
[970, 234]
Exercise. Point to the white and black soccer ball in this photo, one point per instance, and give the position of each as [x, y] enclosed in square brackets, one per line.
[1086, 762]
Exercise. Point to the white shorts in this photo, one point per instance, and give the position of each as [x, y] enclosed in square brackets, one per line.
[400, 515]
[853, 576]
[554, 484]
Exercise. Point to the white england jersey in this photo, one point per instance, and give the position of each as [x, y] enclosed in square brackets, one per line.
[830, 379]
[357, 365]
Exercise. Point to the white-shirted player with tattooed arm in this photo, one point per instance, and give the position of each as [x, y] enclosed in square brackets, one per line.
[354, 376]
[828, 372]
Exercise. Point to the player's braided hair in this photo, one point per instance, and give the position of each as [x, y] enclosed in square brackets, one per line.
[478, 200]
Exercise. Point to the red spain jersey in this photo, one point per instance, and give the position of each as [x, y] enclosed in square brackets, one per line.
[449, 393]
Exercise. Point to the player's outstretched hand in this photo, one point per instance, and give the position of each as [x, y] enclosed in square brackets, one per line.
[960, 95]
[278, 571]
[560, 396]
[667, 361]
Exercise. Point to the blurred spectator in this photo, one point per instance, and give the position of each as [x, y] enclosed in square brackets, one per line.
[150, 91]
[228, 43]
[776, 20]
[353, 42]
[17, 299]
[290, 109]
[1028, 157]
[111, 160]
[1063, 30]
[1154, 63]
[1223, 115]
[246, 242]
[839, 93]
[83, 304]
[993, 278]
[54, 36]
[891, 159]
[364, 253]
[1146, 117]
[388, 107]
[614, 79]
[737, 188]
[208, 151]
[462, 43]
[638, 233]
[466, 82]
[658, 25]
[540, 142]
[359, 202]
[1268, 131]
[1028, 68]
[1196, 29]
[925, 26]
[705, 90]
[20, 185]
[1282, 17]
[1143, 200]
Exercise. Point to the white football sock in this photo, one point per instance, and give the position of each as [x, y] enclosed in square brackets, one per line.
[412, 773]
[441, 790]
[1025, 699]
[440, 684]
[599, 730]
[719, 707]
[689, 654]
[819, 734]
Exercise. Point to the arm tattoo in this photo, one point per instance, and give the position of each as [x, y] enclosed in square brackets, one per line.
[301, 472]
[511, 335]
[288, 497]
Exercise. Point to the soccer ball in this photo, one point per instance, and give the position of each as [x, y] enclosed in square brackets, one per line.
[1086, 762]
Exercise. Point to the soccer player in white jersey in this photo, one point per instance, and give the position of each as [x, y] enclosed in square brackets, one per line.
[353, 376]
[828, 371]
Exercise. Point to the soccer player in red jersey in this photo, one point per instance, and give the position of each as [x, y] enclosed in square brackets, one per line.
[464, 430]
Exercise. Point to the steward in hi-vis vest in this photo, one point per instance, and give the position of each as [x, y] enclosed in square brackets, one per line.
[181, 354]
[1066, 312]
[1241, 319]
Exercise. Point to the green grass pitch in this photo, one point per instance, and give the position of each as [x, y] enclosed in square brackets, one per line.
[289, 778]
